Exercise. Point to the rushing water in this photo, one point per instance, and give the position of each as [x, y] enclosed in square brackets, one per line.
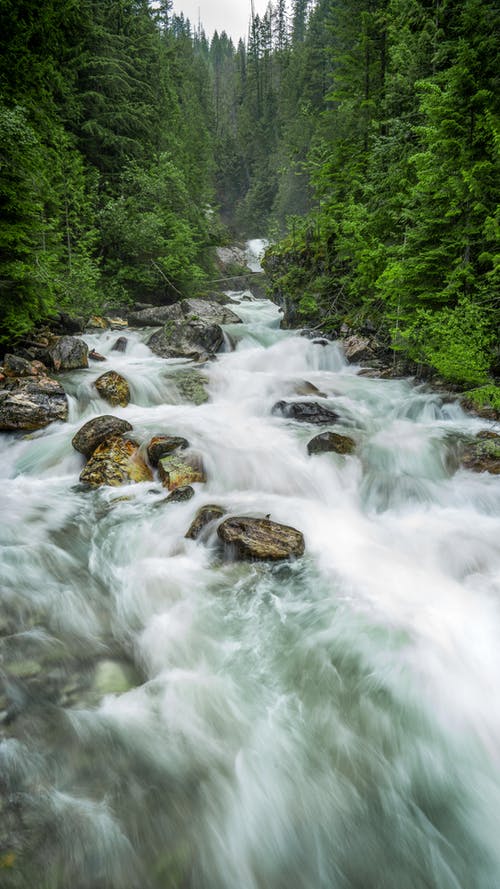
[172, 720]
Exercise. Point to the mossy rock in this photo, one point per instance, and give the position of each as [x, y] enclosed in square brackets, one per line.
[115, 462]
[260, 539]
[177, 472]
[331, 442]
[113, 388]
[483, 454]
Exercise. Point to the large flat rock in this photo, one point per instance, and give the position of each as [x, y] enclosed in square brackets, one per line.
[261, 539]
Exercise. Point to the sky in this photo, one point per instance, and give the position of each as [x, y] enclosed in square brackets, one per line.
[231, 16]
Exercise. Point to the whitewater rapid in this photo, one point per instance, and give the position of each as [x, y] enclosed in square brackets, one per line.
[328, 723]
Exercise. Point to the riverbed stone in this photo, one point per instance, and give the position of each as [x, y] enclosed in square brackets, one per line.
[177, 472]
[187, 338]
[262, 539]
[192, 386]
[305, 412]
[116, 323]
[162, 445]
[96, 356]
[483, 454]
[68, 353]
[96, 322]
[117, 461]
[204, 516]
[180, 495]
[120, 345]
[331, 441]
[304, 388]
[96, 431]
[113, 388]
[31, 402]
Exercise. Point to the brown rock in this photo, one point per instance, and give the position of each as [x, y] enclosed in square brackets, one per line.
[98, 430]
[161, 445]
[204, 517]
[330, 441]
[483, 454]
[261, 539]
[96, 356]
[113, 388]
[31, 402]
[116, 461]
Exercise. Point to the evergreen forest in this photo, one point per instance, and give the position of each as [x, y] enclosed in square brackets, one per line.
[362, 138]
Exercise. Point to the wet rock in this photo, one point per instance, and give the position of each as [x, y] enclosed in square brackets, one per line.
[483, 454]
[198, 309]
[161, 445]
[98, 430]
[117, 323]
[260, 539]
[305, 412]
[304, 387]
[180, 495]
[330, 441]
[68, 324]
[192, 386]
[113, 388]
[96, 356]
[154, 316]
[116, 461]
[68, 353]
[197, 340]
[204, 517]
[177, 472]
[120, 345]
[95, 322]
[15, 366]
[31, 402]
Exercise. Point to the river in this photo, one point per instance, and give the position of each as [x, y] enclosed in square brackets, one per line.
[174, 720]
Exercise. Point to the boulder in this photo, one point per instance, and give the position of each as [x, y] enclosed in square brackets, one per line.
[209, 311]
[68, 353]
[330, 441]
[95, 322]
[96, 356]
[161, 445]
[120, 345]
[113, 388]
[204, 517]
[98, 430]
[483, 454]
[260, 539]
[14, 366]
[177, 472]
[357, 348]
[67, 324]
[31, 402]
[116, 461]
[187, 339]
[305, 412]
[117, 323]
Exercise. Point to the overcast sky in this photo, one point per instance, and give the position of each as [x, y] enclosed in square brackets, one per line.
[231, 16]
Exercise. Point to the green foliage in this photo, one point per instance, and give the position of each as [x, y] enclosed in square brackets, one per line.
[456, 342]
[485, 396]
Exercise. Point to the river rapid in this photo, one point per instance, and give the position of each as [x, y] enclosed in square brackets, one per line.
[175, 721]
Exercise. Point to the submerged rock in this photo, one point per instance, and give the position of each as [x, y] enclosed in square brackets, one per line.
[305, 412]
[31, 402]
[113, 388]
[304, 387]
[192, 386]
[197, 340]
[116, 461]
[483, 454]
[68, 353]
[204, 517]
[161, 445]
[96, 431]
[177, 472]
[261, 539]
[330, 441]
